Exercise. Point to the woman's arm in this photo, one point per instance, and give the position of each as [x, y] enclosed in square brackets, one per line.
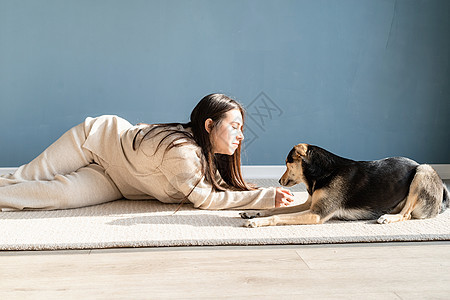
[182, 168]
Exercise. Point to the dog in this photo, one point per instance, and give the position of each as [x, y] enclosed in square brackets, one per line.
[392, 190]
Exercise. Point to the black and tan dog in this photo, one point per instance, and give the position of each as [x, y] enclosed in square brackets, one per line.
[392, 189]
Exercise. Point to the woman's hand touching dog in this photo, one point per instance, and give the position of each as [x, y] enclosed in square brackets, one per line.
[283, 197]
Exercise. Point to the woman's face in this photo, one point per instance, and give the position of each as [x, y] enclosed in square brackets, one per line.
[227, 136]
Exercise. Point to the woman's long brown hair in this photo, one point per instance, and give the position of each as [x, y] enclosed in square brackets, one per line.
[213, 106]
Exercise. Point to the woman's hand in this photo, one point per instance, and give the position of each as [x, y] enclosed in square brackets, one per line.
[283, 197]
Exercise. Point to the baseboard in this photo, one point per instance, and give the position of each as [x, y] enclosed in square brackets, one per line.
[7, 170]
[442, 170]
[275, 171]
[263, 171]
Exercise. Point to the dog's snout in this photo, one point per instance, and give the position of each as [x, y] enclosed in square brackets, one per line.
[284, 179]
[288, 179]
[284, 182]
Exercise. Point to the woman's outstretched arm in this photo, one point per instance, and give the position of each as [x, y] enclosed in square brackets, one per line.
[182, 168]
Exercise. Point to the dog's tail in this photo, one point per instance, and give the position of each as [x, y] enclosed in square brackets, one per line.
[445, 198]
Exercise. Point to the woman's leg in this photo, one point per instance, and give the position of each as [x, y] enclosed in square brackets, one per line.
[64, 156]
[87, 186]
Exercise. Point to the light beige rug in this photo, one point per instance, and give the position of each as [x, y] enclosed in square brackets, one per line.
[153, 224]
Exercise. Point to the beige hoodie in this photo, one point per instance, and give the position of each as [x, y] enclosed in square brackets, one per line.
[169, 176]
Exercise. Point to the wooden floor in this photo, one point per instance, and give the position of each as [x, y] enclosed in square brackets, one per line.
[348, 271]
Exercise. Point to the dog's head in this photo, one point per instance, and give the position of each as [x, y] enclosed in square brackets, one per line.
[294, 166]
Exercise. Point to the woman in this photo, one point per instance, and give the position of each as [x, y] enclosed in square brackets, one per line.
[106, 158]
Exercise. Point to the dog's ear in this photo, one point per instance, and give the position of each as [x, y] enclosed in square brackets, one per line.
[297, 153]
[301, 150]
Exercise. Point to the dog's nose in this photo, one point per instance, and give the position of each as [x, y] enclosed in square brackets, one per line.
[279, 181]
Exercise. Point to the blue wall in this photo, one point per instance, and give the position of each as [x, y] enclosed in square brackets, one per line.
[364, 79]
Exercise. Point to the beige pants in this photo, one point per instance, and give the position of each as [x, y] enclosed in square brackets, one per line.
[64, 176]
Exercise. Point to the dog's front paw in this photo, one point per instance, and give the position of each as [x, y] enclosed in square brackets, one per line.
[250, 224]
[386, 219]
[382, 220]
[250, 214]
